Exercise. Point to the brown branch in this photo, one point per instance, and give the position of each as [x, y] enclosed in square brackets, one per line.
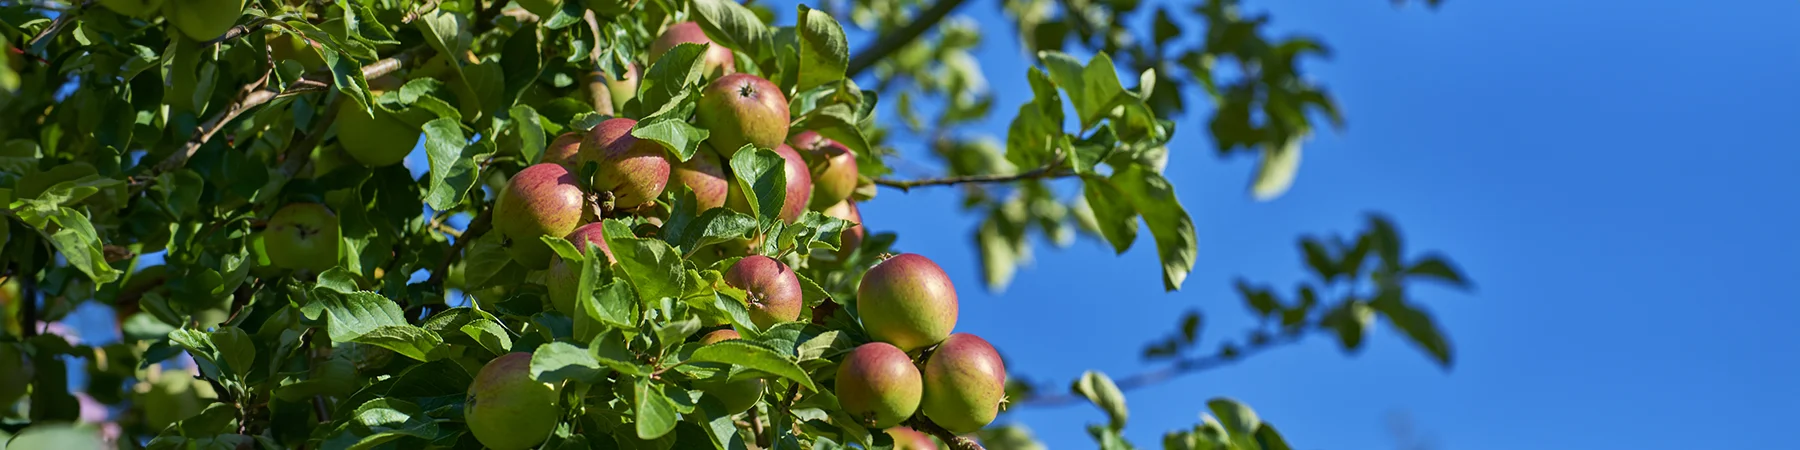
[477, 227]
[299, 153]
[921, 423]
[1179, 368]
[429, 6]
[1048, 171]
[888, 44]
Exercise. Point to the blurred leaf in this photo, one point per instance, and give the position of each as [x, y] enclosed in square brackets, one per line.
[1277, 171]
[380, 421]
[733, 25]
[1154, 198]
[1418, 326]
[1438, 268]
[1099, 389]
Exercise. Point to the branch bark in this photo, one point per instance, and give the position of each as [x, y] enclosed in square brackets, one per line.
[1179, 368]
[888, 44]
[919, 422]
[1048, 171]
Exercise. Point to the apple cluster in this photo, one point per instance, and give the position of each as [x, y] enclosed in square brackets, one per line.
[908, 307]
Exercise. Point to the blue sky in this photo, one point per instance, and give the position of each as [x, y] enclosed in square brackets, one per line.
[1615, 176]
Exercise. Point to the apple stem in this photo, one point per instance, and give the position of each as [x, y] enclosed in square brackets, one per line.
[921, 423]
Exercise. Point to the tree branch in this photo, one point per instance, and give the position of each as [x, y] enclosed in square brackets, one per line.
[919, 422]
[477, 227]
[888, 44]
[1179, 368]
[1047, 171]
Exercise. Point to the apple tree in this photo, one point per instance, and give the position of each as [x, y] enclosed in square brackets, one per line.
[634, 223]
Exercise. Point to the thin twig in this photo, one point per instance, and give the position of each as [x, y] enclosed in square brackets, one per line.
[1179, 368]
[254, 94]
[299, 152]
[476, 228]
[62, 21]
[888, 44]
[919, 422]
[756, 428]
[429, 6]
[1051, 170]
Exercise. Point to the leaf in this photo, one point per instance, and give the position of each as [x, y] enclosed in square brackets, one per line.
[1154, 198]
[1350, 321]
[352, 315]
[678, 136]
[559, 361]
[655, 412]
[738, 352]
[1269, 439]
[453, 169]
[417, 343]
[1277, 171]
[530, 132]
[1090, 87]
[734, 25]
[615, 305]
[721, 429]
[58, 435]
[714, 226]
[1037, 128]
[1099, 389]
[652, 266]
[520, 62]
[1319, 259]
[824, 52]
[1238, 419]
[490, 334]
[667, 82]
[762, 176]
[1116, 220]
[1438, 268]
[380, 421]
[1418, 326]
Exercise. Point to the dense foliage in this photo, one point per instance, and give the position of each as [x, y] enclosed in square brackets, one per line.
[638, 227]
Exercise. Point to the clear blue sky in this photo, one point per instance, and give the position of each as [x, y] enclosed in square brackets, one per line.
[1617, 177]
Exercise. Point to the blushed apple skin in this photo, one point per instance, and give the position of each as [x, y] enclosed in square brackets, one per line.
[799, 188]
[878, 385]
[964, 383]
[737, 396]
[705, 175]
[625, 89]
[542, 200]
[635, 171]
[563, 149]
[719, 60]
[772, 290]
[740, 109]
[506, 409]
[907, 301]
[203, 20]
[303, 236]
[832, 165]
[564, 277]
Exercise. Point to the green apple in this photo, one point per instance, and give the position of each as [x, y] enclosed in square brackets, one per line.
[377, 139]
[907, 301]
[134, 8]
[303, 236]
[203, 20]
[289, 46]
[878, 385]
[508, 410]
[623, 89]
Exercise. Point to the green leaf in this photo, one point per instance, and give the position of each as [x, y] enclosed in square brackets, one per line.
[1269, 439]
[1418, 326]
[1438, 268]
[453, 169]
[721, 429]
[1099, 389]
[228, 351]
[1033, 134]
[838, 122]
[520, 62]
[1113, 214]
[824, 52]
[447, 33]
[1090, 87]
[714, 226]
[667, 83]
[681, 138]
[380, 421]
[762, 176]
[1154, 198]
[613, 304]
[741, 353]
[58, 435]
[352, 315]
[611, 351]
[558, 361]
[1350, 320]
[1238, 419]
[734, 25]
[652, 266]
[655, 412]
[413, 342]
[530, 132]
[1276, 174]
[490, 334]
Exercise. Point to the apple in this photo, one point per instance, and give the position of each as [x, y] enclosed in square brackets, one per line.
[286, 46]
[542, 8]
[542, 200]
[563, 277]
[770, 287]
[203, 20]
[508, 410]
[563, 149]
[303, 236]
[719, 60]
[377, 139]
[878, 385]
[851, 239]
[737, 396]
[740, 109]
[705, 175]
[15, 380]
[965, 381]
[134, 8]
[909, 439]
[907, 301]
[167, 396]
[635, 171]
[799, 187]
[833, 167]
[624, 89]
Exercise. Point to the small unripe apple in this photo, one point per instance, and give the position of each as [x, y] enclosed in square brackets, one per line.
[506, 409]
[705, 175]
[18, 373]
[623, 89]
[303, 236]
[542, 8]
[909, 439]
[965, 380]
[907, 301]
[134, 8]
[799, 188]
[563, 277]
[563, 150]
[167, 396]
[878, 385]
[833, 167]
[635, 171]
[719, 60]
[542, 200]
[377, 139]
[851, 239]
[286, 46]
[737, 396]
[770, 287]
[203, 20]
[740, 109]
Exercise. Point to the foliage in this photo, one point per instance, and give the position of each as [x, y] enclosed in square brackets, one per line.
[129, 139]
